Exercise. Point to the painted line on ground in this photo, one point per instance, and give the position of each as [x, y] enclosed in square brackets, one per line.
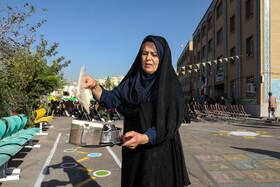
[85, 169]
[85, 181]
[82, 152]
[82, 159]
[45, 167]
[117, 160]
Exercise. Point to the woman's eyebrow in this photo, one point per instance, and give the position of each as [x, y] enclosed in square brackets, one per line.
[149, 51]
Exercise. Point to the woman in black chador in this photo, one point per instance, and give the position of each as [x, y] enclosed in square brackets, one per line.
[152, 103]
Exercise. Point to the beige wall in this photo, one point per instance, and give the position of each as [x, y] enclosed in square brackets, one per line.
[275, 39]
[248, 64]
[232, 41]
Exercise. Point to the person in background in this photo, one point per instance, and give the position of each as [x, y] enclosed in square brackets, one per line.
[272, 105]
[211, 102]
[152, 102]
[233, 102]
[222, 100]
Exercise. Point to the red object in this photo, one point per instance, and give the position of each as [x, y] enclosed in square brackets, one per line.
[125, 139]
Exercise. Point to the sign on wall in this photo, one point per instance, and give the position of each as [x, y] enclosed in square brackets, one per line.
[220, 77]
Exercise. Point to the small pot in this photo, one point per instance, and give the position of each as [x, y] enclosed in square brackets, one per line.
[85, 133]
[111, 135]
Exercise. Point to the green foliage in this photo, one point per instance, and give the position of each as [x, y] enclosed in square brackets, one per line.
[27, 76]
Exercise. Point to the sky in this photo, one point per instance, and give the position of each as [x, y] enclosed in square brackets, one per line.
[105, 35]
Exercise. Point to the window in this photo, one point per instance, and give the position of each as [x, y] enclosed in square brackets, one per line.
[232, 23]
[249, 8]
[219, 10]
[203, 31]
[249, 80]
[194, 43]
[232, 54]
[219, 36]
[219, 63]
[232, 88]
[198, 38]
[230, 1]
[210, 45]
[198, 56]
[203, 51]
[250, 46]
[209, 22]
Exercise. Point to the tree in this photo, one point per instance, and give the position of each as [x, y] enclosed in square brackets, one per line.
[27, 76]
[14, 26]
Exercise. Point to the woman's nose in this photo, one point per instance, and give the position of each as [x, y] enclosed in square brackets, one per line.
[149, 56]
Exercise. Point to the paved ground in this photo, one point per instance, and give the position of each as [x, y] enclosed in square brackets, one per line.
[214, 154]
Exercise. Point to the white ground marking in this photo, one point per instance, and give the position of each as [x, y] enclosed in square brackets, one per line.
[45, 167]
[114, 156]
[243, 133]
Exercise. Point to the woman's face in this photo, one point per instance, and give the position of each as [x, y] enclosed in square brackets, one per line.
[150, 58]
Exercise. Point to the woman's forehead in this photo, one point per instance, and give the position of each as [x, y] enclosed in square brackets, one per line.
[148, 45]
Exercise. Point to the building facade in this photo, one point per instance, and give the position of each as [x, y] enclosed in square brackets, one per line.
[235, 54]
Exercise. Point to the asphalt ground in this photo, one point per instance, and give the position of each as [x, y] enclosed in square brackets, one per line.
[214, 154]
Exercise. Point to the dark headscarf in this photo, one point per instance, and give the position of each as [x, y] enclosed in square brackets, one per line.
[162, 86]
[139, 86]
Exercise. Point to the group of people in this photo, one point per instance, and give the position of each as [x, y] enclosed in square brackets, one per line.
[210, 101]
[75, 109]
[62, 108]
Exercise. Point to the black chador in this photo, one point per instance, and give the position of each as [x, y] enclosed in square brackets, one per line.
[149, 100]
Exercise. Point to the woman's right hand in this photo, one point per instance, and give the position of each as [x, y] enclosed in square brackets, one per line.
[90, 83]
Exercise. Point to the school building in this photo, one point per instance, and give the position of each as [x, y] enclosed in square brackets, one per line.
[235, 53]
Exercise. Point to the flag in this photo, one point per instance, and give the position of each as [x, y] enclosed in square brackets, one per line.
[195, 70]
[226, 59]
[204, 64]
[209, 62]
[190, 66]
[198, 65]
[183, 72]
[237, 57]
[204, 84]
[215, 61]
[183, 67]
[189, 71]
[221, 60]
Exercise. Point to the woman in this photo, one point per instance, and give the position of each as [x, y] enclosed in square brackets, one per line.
[151, 100]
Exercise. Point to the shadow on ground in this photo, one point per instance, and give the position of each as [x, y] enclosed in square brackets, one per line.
[76, 175]
[260, 151]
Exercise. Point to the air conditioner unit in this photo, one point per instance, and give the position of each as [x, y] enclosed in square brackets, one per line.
[251, 88]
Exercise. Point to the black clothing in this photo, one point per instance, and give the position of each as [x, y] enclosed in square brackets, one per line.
[161, 164]
[150, 166]
[152, 101]
[222, 102]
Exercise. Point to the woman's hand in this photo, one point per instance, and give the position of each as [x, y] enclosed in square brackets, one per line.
[138, 139]
[92, 84]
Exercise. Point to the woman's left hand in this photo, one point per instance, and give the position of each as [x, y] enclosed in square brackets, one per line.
[137, 139]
